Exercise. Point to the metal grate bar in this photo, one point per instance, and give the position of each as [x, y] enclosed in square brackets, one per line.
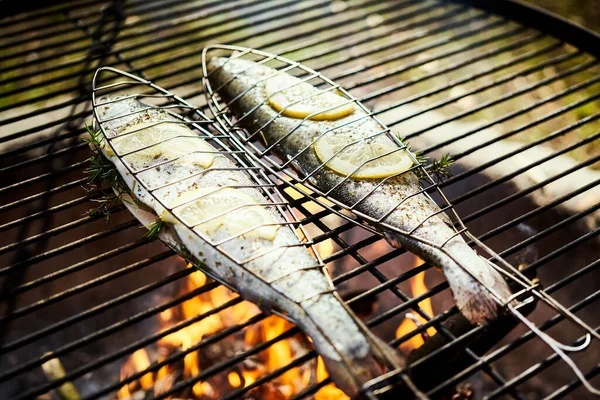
[537, 121]
[41, 177]
[179, 355]
[460, 64]
[46, 69]
[52, 232]
[531, 372]
[42, 127]
[62, 249]
[519, 171]
[408, 66]
[222, 366]
[186, 353]
[127, 6]
[511, 95]
[32, 15]
[40, 334]
[41, 214]
[238, 393]
[533, 188]
[91, 337]
[52, 68]
[43, 158]
[472, 77]
[28, 199]
[574, 384]
[80, 266]
[566, 92]
[504, 350]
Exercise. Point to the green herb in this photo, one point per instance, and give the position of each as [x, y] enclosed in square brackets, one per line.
[107, 204]
[102, 172]
[440, 168]
[153, 229]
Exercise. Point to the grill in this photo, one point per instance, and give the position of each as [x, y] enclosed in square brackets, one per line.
[448, 76]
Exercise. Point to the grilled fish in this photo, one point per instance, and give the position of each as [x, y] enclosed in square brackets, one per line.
[397, 201]
[278, 272]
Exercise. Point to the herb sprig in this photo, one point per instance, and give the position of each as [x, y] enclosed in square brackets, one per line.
[440, 168]
[101, 173]
[154, 229]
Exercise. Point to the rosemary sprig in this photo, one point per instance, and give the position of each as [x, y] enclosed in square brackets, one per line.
[100, 169]
[440, 168]
[107, 205]
[153, 229]
[102, 172]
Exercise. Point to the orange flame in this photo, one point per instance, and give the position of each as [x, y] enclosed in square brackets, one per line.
[273, 358]
[138, 362]
[234, 379]
[418, 287]
[330, 391]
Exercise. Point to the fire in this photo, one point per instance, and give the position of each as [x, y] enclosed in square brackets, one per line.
[273, 358]
[330, 391]
[234, 379]
[418, 287]
[139, 362]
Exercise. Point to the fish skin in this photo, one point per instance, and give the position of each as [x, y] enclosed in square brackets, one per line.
[234, 78]
[286, 280]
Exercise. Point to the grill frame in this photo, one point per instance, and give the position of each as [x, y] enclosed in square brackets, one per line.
[413, 302]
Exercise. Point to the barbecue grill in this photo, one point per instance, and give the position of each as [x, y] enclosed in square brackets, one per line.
[506, 89]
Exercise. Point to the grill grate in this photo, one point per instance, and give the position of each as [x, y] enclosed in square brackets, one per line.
[481, 70]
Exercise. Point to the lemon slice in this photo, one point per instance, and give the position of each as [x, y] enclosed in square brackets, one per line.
[229, 210]
[299, 99]
[171, 141]
[358, 155]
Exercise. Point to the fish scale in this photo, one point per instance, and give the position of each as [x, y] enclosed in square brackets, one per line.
[278, 274]
[396, 201]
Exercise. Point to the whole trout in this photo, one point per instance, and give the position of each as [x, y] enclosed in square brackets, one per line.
[279, 273]
[241, 83]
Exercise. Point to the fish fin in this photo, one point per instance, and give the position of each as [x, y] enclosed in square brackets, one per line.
[392, 239]
[352, 375]
[479, 309]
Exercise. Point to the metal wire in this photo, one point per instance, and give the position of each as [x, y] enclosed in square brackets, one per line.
[270, 159]
[328, 49]
[157, 194]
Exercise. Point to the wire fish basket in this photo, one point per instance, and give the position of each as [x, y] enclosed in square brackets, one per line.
[285, 169]
[143, 105]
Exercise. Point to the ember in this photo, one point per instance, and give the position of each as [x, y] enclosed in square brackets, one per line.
[275, 357]
[272, 359]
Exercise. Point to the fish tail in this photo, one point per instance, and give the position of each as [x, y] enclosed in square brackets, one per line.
[477, 287]
[472, 280]
[353, 355]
